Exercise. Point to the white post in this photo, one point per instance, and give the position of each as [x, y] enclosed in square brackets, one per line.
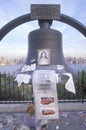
[45, 97]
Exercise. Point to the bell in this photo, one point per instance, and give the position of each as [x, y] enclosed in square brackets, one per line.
[45, 48]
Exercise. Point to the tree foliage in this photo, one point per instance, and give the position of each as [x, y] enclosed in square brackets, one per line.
[9, 90]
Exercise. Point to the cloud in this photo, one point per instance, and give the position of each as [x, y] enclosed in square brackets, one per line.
[9, 51]
[26, 28]
[73, 53]
[4, 46]
[43, 1]
[3, 18]
[59, 26]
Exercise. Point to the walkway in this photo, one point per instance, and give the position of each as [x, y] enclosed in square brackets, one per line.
[22, 121]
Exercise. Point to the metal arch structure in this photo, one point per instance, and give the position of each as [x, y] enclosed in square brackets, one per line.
[27, 18]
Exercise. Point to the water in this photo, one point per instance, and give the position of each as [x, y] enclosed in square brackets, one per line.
[14, 68]
[9, 68]
[79, 67]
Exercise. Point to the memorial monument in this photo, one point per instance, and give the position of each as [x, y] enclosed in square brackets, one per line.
[45, 64]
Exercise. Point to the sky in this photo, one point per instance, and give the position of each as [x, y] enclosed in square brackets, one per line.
[15, 43]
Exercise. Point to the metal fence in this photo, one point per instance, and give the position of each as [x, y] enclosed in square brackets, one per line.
[11, 93]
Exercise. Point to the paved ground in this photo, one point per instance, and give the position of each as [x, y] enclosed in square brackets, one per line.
[69, 121]
[22, 121]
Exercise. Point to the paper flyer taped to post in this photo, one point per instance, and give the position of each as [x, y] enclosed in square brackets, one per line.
[45, 94]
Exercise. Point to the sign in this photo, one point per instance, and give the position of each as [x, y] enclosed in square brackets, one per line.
[45, 94]
[43, 11]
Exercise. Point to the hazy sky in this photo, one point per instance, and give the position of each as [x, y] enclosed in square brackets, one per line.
[15, 43]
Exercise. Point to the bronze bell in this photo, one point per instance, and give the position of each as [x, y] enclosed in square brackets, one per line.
[46, 43]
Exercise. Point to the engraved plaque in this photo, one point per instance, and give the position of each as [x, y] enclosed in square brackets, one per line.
[43, 11]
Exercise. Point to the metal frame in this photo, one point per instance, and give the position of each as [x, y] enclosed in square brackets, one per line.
[27, 18]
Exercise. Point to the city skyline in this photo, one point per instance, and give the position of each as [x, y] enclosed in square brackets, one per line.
[15, 43]
[21, 60]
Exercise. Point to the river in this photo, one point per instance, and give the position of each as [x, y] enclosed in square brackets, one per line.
[14, 68]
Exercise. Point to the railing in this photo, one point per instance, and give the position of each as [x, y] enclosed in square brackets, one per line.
[11, 93]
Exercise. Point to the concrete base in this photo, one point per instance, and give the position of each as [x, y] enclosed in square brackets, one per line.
[23, 107]
[13, 107]
[72, 106]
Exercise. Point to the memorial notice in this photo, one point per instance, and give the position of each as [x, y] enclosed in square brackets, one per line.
[45, 94]
[43, 11]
